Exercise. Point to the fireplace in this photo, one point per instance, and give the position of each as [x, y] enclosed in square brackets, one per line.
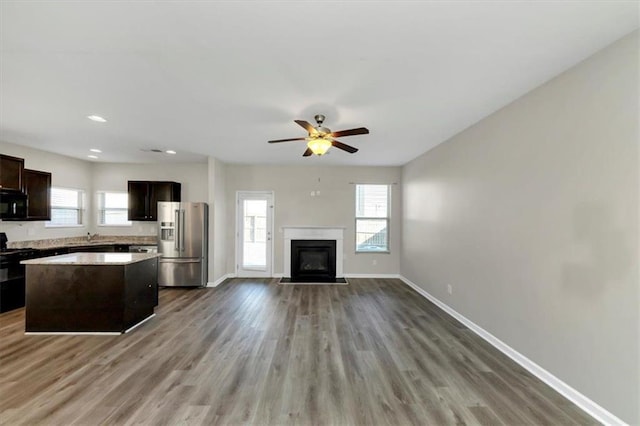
[316, 234]
[313, 260]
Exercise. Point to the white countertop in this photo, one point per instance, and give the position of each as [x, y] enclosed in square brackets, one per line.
[92, 259]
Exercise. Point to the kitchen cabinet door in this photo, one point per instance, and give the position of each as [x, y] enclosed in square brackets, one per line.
[144, 197]
[138, 200]
[37, 186]
[11, 169]
[162, 191]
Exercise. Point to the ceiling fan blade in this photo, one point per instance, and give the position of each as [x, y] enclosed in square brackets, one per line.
[306, 125]
[344, 147]
[350, 132]
[288, 140]
[307, 153]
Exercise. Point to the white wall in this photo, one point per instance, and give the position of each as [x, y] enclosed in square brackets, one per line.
[532, 216]
[217, 220]
[335, 206]
[114, 176]
[66, 172]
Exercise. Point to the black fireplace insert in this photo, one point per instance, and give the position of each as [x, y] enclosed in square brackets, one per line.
[313, 260]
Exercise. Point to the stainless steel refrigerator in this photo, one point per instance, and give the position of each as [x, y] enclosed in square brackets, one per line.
[183, 230]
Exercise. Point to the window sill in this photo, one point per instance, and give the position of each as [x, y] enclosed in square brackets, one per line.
[115, 226]
[374, 252]
[64, 226]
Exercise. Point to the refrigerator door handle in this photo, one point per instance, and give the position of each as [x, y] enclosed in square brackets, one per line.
[182, 214]
[177, 228]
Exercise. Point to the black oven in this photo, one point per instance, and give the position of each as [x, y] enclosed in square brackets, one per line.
[12, 278]
[13, 204]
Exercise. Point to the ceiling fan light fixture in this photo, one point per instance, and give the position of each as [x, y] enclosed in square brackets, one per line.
[319, 146]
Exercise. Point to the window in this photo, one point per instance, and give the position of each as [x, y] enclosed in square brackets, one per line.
[372, 218]
[113, 209]
[66, 207]
[255, 222]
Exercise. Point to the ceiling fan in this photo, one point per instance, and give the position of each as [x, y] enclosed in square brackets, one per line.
[320, 138]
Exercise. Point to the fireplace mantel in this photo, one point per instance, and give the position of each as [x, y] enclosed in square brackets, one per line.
[313, 233]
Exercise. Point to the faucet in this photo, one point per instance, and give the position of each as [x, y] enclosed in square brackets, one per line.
[88, 236]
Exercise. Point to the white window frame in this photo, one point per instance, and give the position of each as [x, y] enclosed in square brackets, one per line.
[386, 218]
[101, 209]
[80, 209]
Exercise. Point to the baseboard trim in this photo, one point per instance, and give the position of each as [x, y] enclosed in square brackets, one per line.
[383, 276]
[587, 405]
[220, 280]
[140, 323]
[72, 333]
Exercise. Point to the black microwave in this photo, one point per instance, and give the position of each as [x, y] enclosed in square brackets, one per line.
[13, 204]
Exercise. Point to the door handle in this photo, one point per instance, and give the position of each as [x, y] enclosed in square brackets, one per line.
[182, 230]
[176, 227]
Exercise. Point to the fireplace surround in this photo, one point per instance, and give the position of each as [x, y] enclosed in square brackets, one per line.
[313, 233]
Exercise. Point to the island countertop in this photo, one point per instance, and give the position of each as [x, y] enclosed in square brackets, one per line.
[92, 259]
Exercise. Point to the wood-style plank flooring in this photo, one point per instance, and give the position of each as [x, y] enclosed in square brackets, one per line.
[254, 352]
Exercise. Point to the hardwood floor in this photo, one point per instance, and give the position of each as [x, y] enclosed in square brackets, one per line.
[254, 352]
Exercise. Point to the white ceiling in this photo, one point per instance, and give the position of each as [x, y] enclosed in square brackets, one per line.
[221, 78]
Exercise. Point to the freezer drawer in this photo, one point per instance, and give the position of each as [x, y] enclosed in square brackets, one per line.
[181, 273]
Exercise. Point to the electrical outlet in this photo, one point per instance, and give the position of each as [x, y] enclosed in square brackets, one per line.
[374, 262]
[449, 288]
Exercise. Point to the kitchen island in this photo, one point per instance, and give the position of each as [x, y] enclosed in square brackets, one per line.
[90, 292]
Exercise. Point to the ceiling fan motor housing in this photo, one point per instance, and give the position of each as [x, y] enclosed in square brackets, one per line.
[322, 131]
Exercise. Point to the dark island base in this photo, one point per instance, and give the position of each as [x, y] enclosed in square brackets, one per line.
[90, 298]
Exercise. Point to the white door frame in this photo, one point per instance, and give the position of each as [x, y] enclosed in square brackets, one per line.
[270, 197]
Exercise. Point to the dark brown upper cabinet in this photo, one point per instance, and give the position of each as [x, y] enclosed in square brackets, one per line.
[144, 196]
[37, 186]
[11, 169]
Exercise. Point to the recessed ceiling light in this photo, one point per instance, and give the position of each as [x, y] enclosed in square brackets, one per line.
[96, 118]
[92, 156]
[95, 150]
[170, 151]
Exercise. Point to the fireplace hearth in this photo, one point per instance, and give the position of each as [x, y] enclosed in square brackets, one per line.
[313, 260]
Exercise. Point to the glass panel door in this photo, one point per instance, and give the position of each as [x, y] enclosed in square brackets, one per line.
[254, 235]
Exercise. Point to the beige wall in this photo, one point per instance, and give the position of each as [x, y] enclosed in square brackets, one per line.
[66, 172]
[335, 206]
[532, 216]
